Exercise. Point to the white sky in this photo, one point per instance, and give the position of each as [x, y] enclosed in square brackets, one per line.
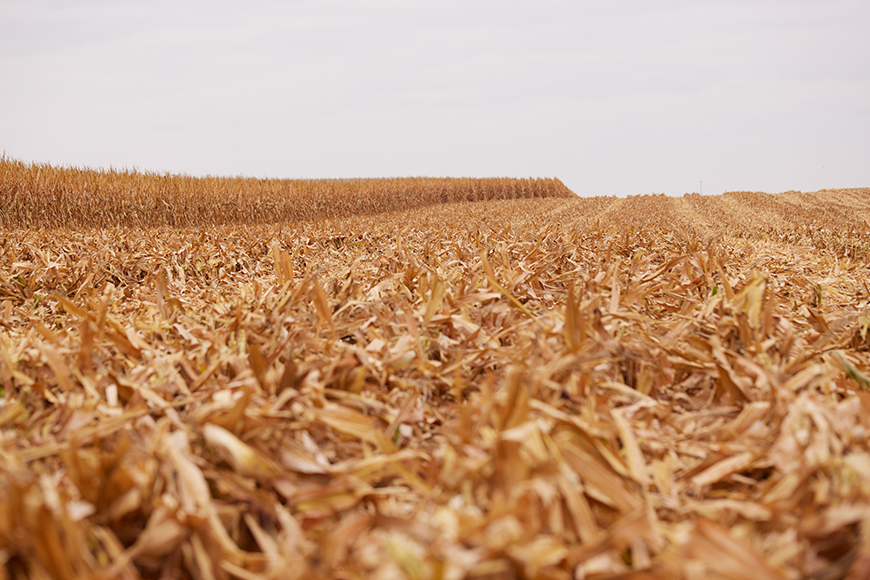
[613, 97]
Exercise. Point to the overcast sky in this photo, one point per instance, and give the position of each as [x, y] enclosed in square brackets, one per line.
[613, 97]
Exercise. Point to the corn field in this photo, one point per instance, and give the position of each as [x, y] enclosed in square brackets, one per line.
[490, 384]
[39, 195]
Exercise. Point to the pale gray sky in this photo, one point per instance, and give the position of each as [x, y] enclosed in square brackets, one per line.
[613, 97]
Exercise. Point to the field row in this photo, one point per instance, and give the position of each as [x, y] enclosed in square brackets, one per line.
[42, 196]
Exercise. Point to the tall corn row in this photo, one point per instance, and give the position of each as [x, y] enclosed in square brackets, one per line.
[40, 195]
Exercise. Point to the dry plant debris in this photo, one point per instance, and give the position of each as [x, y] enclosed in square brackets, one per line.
[639, 388]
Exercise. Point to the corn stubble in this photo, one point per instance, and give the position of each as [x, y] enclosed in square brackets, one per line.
[642, 388]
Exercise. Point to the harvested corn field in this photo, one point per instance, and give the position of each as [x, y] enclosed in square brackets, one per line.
[640, 388]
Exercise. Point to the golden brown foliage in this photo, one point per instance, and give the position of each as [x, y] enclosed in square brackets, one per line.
[42, 196]
[551, 388]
